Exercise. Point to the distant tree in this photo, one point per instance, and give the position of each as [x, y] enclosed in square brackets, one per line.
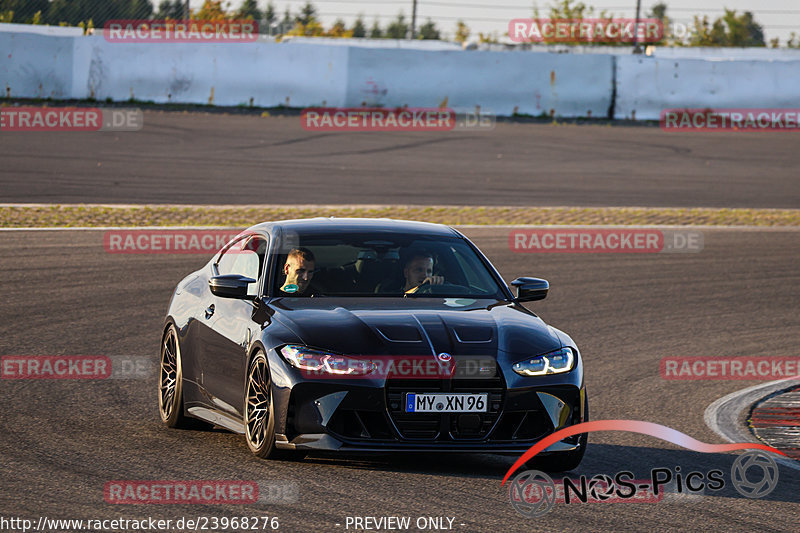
[462, 32]
[488, 38]
[133, 9]
[312, 29]
[577, 11]
[659, 11]
[211, 10]
[429, 31]
[306, 23]
[72, 12]
[308, 13]
[359, 30]
[170, 10]
[268, 18]
[728, 30]
[376, 32]
[339, 30]
[703, 33]
[24, 11]
[743, 30]
[794, 41]
[398, 28]
[287, 23]
[249, 11]
[566, 9]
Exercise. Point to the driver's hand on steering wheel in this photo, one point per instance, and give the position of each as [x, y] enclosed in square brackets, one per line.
[430, 280]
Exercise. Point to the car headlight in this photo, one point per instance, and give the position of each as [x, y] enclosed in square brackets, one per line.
[321, 362]
[555, 362]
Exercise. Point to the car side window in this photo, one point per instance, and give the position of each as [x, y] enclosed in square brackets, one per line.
[246, 258]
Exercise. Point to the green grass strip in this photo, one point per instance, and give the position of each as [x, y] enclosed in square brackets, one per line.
[57, 216]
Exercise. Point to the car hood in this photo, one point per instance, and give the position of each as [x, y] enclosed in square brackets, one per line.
[415, 326]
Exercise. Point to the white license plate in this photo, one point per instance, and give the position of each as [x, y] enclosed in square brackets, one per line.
[441, 402]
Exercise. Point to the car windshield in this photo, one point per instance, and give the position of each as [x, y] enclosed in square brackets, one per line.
[383, 265]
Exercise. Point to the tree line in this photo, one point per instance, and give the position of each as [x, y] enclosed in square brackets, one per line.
[95, 13]
[731, 29]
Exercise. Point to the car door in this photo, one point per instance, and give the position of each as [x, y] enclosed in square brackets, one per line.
[228, 326]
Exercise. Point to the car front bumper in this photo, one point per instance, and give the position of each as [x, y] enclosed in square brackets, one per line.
[370, 417]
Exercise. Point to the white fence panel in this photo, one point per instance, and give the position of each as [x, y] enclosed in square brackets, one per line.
[499, 82]
[229, 74]
[646, 85]
[35, 66]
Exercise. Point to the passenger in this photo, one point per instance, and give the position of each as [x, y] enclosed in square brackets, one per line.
[299, 269]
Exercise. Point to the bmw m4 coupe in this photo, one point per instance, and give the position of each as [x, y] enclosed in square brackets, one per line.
[368, 335]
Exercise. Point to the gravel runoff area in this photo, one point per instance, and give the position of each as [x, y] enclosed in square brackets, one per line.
[79, 215]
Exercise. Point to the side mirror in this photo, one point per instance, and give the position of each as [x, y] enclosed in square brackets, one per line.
[231, 286]
[531, 289]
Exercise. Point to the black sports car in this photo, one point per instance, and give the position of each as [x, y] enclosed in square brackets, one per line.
[368, 335]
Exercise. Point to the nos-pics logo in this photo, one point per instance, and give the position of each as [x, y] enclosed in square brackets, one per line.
[533, 493]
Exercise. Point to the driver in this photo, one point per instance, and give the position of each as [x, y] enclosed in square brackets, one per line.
[418, 271]
[299, 269]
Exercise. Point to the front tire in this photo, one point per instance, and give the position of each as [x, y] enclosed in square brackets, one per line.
[259, 419]
[259, 413]
[170, 386]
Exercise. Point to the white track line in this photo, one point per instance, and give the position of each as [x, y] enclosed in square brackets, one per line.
[723, 416]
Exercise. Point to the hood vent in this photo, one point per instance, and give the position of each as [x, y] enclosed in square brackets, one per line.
[399, 333]
[473, 334]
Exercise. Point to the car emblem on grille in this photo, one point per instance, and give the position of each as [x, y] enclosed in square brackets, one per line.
[444, 357]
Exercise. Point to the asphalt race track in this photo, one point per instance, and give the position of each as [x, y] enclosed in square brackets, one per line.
[204, 158]
[62, 440]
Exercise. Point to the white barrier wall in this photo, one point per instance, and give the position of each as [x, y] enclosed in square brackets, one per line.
[498, 82]
[36, 66]
[302, 74]
[646, 85]
[267, 73]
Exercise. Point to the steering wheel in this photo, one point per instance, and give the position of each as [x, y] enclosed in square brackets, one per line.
[443, 288]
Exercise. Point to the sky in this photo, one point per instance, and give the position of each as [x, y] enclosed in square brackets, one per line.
[778, 17]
